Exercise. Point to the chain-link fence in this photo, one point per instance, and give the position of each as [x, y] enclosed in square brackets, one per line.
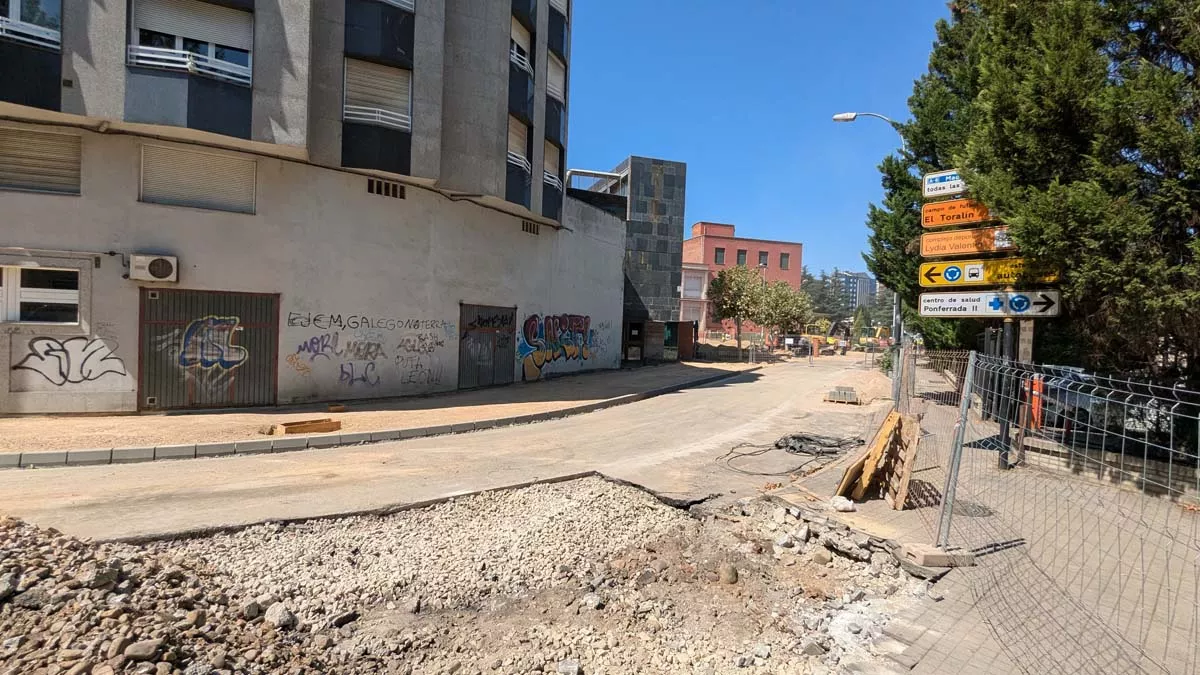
[1079, 495]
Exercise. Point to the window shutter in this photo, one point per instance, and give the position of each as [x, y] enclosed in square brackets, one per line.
[378, 88]
[198, 20]
[518, 138]
[556, 79]
[521, 36]
[200, 179]
[561, 5]
[36, 160]
[552, 160]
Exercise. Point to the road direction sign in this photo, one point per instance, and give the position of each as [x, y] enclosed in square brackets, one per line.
[942, 184]
[966, 242]
[978, 273]
[953, 212]
[1041, 304]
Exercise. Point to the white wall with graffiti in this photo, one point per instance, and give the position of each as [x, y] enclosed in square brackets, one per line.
[367, 291]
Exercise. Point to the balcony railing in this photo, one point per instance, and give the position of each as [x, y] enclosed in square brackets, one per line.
[514, 158]
[520, 59]
[551, 179]
[387, 118]
[178, 59]
[30, 33]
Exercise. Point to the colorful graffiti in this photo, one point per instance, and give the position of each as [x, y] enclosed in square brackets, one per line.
[71, 361]
[208, 343]
[550, 338]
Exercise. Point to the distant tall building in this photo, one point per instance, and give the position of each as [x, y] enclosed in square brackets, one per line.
[858, 288]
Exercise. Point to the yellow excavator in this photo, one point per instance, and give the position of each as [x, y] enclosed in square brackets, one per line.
[875, 339]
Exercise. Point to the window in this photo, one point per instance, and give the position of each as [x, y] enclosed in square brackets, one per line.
[551, 159]
[785, 261]
[763, 258]
[556, 79]
[719, 256]
[519, 46]
[39, 295]
[36, 22]
[518, 144]
[376, 94]
[199, 179]
[195, 36]
[39, 160]
[741, 257]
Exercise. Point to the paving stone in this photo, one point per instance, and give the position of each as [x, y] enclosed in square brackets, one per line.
[97, 456]
[175, 452]
[44, 458]
[255, 446]
[214, 449]
[355, 438]
[289, 443]
[122, 455]
[389, 435]
[330, 441]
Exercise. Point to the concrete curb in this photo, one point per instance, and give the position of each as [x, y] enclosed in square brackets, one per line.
[12, 460]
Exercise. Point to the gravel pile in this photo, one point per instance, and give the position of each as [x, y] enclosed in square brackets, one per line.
[449, 556]
[580, 577]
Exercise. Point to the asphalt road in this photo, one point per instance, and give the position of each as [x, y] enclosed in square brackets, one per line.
[668, 444]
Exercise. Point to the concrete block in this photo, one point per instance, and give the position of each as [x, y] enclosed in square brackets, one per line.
[215, 449]
[485, 424]
[931, 556]
[98, 456]
[355, 438]
[461, 427]
[330, 441]
[44, 458]
[289, 443]
[526, 419]
[438, 431]
[501, 422]
[253, 447]
[416, 432]
[175, 452]
[390, 435]
[10, 460]
[123, 455]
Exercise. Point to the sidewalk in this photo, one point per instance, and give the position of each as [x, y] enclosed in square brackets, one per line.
[48, 437]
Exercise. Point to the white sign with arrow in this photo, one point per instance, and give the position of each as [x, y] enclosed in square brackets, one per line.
[1042, 304]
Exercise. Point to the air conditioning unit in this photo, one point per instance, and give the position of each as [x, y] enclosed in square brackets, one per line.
[153, 267]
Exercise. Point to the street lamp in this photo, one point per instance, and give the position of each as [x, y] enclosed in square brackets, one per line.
[897, 322]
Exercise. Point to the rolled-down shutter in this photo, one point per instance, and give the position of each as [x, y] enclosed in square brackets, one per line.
[556, 78]
[551, 159]
[200, 179]
[198, 20]
[518, 138]
[370, 85]
[521, 36]
[560, 5]
[36, 160]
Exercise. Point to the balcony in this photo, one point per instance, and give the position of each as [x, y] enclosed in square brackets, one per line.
[552, 196]
[556, 121]
[185, 61]
[30, 33]
[368, 115]
[517, 185]
[520, 89]
[556, 38]
[380, 32]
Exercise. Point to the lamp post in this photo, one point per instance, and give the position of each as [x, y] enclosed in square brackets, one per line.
[897, 321]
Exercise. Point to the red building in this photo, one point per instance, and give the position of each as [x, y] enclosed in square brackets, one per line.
[714, 247]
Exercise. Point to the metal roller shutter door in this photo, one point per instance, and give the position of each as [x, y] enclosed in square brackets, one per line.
[518, 138]
[551, 159]
[521, 36]
[200, 179]
[36, 160]
[556, 78]
[197, 20]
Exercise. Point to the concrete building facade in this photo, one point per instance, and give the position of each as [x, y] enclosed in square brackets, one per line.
[276, 203]
[858, 288]
[714, 247]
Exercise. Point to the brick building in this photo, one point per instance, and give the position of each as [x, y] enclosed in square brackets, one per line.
[714, 247]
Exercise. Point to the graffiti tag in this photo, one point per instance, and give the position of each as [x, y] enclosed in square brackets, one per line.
[551, 338]
[208, 343]
[327, 345]
[297, 363]
[421, 343]
[419, 370]
[357, 321]
[71, 361]
[362, 374]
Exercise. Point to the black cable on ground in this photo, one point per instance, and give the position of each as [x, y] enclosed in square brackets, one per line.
[818, 446]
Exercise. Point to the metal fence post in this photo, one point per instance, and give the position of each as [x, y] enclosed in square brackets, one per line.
[897, 374]
[964, 409]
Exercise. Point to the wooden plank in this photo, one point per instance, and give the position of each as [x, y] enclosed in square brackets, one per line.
[875, 455]
[320, 426]
[851, 474]
[896, 490]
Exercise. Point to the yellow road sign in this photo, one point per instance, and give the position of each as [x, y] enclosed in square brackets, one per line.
[953, 212]
[978, 273]
[964, 242]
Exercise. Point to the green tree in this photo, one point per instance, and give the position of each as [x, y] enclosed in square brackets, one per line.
[784, 308]
[737, 293]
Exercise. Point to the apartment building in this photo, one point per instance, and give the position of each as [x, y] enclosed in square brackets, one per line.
[857, 288]
[243, 202]
[716, 246]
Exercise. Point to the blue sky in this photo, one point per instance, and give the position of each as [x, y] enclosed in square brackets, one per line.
[743, 92]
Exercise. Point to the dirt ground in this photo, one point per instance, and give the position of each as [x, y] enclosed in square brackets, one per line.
[70, 432]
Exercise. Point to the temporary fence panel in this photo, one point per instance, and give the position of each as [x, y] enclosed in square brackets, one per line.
[205, 349]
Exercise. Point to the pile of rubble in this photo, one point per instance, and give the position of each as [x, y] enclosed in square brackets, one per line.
[579, 577]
